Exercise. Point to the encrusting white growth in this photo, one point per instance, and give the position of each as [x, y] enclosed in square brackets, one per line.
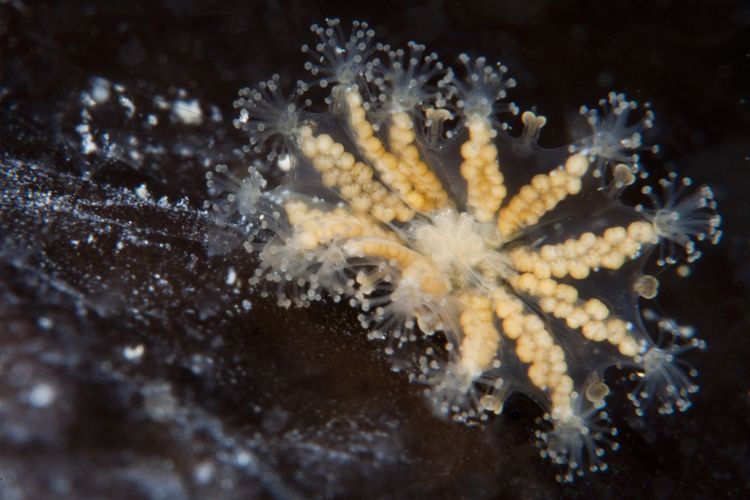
[410, 199]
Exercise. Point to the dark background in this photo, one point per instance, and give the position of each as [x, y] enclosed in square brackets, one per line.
[129, 368]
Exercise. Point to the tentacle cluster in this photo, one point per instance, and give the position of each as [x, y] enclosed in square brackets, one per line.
[484, 253]
[661, 374]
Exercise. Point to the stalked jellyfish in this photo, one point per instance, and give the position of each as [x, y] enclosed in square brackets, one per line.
[411, 199]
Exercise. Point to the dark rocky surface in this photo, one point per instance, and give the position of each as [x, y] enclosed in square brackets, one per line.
[134, 363]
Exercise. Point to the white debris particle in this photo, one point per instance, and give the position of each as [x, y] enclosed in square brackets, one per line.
[135, 155]
[100, 90]
[42, 395]
[187, 112]
[247, 305]
[44, 323]
[231, 276]
[215, 114]
[128, 105]
[185, 150]
[244, 116]
[152, 120]
[200, 364]
[87, 140]
[203, 472]
[133, 353]
[284, 163]
[87, 101]
[243, 458]
[142, 192]
[158, 401]
[161, 102]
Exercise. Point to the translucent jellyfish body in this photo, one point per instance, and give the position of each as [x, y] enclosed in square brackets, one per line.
[504, 266]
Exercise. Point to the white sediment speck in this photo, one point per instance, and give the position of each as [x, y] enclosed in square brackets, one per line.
[188, 112]
[87, 139]
[100, 90]
[243, 458]
[284, 163]
[42, 395]
[142, 192]
[44, 323]
[128, 105]
[133, 353]
[158, 401]
[231, 276]
[204, 472]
